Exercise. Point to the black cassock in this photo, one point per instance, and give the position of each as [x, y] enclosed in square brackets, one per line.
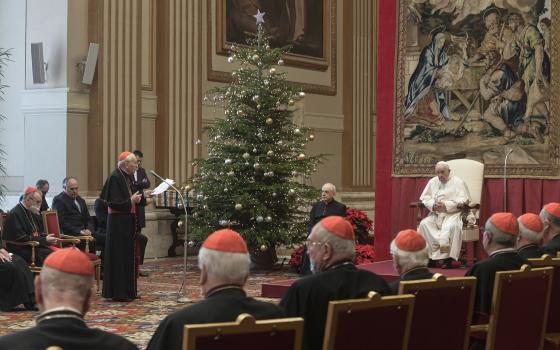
[120, 267]
[22, 225]
[63, 330]
[309, 297]
[485, 273]
[16, 284]
[417, 273]
[553, 246]
[223, 304]
[531, 251]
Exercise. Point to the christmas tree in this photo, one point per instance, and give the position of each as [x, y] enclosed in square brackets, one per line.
[251, 180]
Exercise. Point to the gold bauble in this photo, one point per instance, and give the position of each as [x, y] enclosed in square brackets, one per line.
[272, 70]
[238, 206]
[263, 248]
[270, 153]
[311, 137]
[255, 57]
[301, 156]
[291, 102]
[188, 188]
[268, 121]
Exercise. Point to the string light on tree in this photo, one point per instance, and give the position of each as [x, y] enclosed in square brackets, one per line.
[247, 179]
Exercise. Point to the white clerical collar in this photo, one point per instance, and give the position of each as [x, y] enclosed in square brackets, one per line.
[504, 250]
[61, 308]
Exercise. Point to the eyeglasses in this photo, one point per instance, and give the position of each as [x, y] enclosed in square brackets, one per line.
[310, 243]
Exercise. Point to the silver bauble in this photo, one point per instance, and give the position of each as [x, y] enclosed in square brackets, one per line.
[301, 94]
[280, 62]
[268, 219]
[230, 59]
[259, 219]
[256, 166]
[227, 161]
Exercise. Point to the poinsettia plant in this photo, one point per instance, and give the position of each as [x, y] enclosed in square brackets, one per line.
[363, 226]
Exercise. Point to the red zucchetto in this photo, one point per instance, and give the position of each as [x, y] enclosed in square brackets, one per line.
[70, 260]
[338, 226]
[30, 189]
[553, 209]
[505, 222]
[410, 241]
[531, 222]
[123, 155]
[227, 241]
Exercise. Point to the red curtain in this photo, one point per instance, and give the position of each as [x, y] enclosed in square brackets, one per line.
[394, 194]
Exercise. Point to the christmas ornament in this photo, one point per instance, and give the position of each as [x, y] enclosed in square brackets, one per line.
[199, 197]
[255, 57]
[311, 137]
[195, 215]
[230, 59]
[191, 244]
[274, 194]
[246, 155]
[204, 207]
[268, 121]
[291, 102]
[180, 223]
[227, 161]
[198, 142]
[266, 82]
[256, 166]
[297, 131]
[239, 112]
[259, 219]
[256, 98]
[291, 192]
[238, 206]
[225, 189]
[263, 248]
[301, 156]
[270, 153]
[254, 150]
[223, 223]
[188, 188]
[295, 173]
[268, 219]
[301, 94]
[272, 70]
[280, 62]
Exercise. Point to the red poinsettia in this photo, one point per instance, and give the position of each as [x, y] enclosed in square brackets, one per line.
[361, 223]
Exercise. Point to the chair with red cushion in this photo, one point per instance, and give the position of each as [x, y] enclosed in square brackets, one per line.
[52, 226]
[552, 337]
[445, 302]
[245, 333]
[374, 322]
[519, 309]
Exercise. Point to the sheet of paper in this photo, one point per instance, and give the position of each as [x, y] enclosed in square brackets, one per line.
[163, 186]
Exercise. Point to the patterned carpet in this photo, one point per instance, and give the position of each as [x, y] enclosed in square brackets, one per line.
[159, 292]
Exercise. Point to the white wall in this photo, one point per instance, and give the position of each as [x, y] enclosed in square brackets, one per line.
[12, 35]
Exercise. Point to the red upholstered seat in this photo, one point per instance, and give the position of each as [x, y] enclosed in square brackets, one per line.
[442, 312]
[245, 333]
[372, 323]
[519, 309]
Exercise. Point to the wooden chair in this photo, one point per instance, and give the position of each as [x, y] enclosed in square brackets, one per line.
[552, 335]
[442, 312]
[374, 322]
[519, 313]
[472, 173]
[245, 333]
[52, 226]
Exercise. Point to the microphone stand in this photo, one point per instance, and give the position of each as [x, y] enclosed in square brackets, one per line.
[180, 298]
[505, 178]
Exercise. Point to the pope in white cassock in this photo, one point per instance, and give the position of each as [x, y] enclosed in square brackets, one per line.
[442, 227]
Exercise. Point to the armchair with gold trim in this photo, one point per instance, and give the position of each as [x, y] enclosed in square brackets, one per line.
[245, 333]
[52, 226]
[519, 313]
[472, 173]
[374, 322]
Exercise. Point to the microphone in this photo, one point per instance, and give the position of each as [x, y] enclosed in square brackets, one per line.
[505, 177]
[180, 299]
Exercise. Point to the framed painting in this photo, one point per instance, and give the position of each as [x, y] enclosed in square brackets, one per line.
[309, 26]
[478, 80]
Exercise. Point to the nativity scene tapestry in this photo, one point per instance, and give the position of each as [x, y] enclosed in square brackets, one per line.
[477, 79]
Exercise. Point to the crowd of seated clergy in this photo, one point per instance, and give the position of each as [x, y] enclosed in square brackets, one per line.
[224, 264]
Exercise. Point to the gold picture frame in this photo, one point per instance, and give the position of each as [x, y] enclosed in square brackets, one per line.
[320, 56]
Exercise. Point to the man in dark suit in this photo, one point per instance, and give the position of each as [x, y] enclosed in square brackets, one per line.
[500, 234]
[327, 206]
[410, 258]
[43, 186]
[224, 263]
[550, 216]
[73, 214]
[530, 236]
[331, 251]
[142, 183]
[63, 291]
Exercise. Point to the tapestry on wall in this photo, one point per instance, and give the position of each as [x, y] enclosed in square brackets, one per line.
[477, 79]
